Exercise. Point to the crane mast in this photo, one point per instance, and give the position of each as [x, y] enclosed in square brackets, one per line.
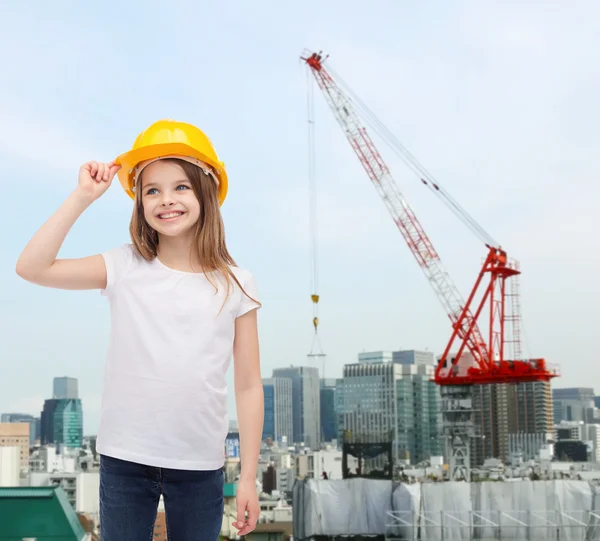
[487, 363]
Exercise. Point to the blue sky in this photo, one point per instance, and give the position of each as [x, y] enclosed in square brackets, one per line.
[497, 99]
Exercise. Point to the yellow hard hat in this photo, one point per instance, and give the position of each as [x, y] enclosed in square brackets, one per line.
[170, 138]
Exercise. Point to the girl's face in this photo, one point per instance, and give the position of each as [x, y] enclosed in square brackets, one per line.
[170, 204]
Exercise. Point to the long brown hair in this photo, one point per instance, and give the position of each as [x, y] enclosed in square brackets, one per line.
[209, 235]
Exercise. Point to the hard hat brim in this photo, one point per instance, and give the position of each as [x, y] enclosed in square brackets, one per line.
[130, 159]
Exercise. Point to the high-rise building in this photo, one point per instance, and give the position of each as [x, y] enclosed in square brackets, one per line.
[62, 422]
[413, 356]
[409, 356]
[376, 357]
[47, 421]
[339, 408]
[306, 403]
[65, 387]
[16, 435]
[34, 424]
[501, 410]
[531, 408]
[584, 394]
[386, 397]
[329, 422]
[575, 404]
[278, 422]
[68, 423]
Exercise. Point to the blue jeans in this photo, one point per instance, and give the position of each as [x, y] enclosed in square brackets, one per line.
[129, 495]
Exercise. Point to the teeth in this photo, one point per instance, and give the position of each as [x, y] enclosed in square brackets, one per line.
[170, 215]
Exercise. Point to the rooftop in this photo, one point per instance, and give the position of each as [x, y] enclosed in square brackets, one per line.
[14, 429]
[40, 513]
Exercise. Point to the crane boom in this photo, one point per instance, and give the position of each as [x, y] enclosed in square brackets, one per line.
[402, 213]
[487, 358]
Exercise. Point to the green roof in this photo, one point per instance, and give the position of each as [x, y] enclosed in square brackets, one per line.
[43, 513]
[229, 490]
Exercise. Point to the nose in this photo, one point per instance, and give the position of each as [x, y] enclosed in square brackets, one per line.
[167, 200]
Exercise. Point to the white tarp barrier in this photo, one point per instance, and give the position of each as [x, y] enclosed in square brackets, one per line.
[454, 499]
[536, 511]
[406, 503]
[450, 511]
[344, 507]
[594, 521]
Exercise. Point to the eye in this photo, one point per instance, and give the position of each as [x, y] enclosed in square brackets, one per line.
[151, 190]
[183, 186]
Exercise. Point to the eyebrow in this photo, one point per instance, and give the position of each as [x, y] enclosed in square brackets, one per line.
[177, 181]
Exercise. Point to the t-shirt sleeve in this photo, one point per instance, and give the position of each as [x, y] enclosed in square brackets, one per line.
[117, 261]
[250, 288]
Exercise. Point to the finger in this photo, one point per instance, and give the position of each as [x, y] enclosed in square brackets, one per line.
[241, 514]
[252, 518]
[99, 170]
[93, 169]
[249, 524]
[246, 529]
[113, 171]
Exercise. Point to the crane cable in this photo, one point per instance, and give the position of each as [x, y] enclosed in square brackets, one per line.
[316, 349]
[426, 178]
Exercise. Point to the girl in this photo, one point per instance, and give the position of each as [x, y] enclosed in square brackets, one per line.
[180, 308]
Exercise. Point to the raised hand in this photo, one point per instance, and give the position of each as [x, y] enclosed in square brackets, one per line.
[95, 178]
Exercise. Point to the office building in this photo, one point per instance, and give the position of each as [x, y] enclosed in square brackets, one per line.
[413, 356]
[16, 435]
[386, 397]
[407, 357]
[501, 410]
[306, 403]
[278, 421]
[65, 387]
[62, 422]
[34, 424]
[376, 357]
[583, 394]
[575, 404]
[339, 409]
[329, 420]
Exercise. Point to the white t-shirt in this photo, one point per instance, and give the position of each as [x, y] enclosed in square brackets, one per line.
[171, 342]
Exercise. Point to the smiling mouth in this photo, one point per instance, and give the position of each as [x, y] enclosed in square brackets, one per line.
[169, 216]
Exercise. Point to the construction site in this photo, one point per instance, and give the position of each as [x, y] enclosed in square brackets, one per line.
[486, 385]
[488, 389]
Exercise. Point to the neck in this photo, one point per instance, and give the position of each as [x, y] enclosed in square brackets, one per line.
[178, 253]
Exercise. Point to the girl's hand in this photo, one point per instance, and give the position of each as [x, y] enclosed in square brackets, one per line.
[247, 501]
[95, 178]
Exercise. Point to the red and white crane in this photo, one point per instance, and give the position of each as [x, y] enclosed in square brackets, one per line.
[487, 302]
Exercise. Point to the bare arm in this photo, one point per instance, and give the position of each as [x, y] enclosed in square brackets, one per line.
[38, 264]
[250, 412]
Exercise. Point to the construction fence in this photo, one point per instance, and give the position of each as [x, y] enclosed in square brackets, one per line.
[452, 511]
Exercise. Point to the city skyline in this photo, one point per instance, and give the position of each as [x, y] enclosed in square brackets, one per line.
[499, 103]
[399, 357]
